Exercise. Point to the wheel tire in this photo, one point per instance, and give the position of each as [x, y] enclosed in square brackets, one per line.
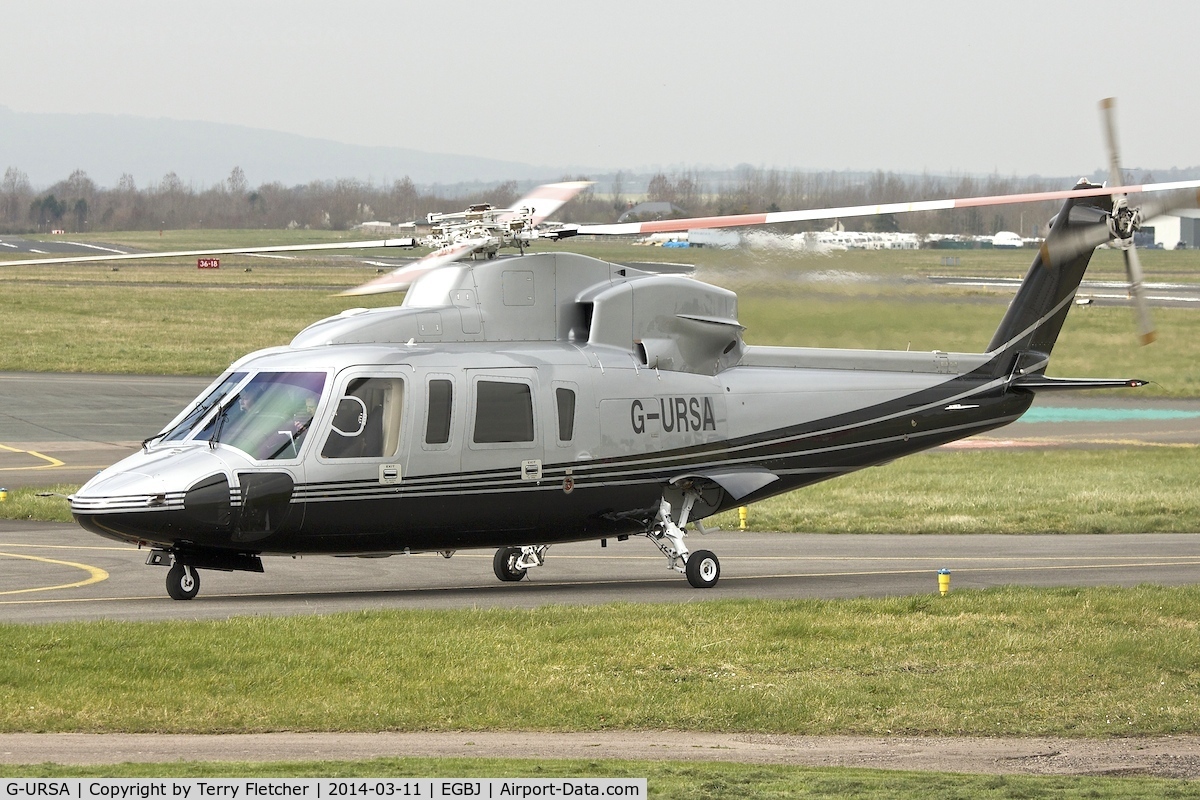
[703, 569]
[183, 583]
[504, 564]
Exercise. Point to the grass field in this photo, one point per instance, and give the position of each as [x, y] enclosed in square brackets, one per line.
[670, 780]
[200, 331]
[1119, 490]
[1072, 662]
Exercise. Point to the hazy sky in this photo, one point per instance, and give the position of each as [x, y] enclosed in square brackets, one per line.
[1007, 86]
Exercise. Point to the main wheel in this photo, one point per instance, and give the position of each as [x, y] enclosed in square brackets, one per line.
[183, 583]
[504, 564]
[703, 569]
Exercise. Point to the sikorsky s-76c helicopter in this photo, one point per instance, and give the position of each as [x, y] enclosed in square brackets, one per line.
[515, 403]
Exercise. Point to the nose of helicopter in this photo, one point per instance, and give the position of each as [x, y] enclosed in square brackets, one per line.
[156, 497]
[117, 489]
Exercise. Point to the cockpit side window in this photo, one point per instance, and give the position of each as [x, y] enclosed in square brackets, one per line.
[366, 421]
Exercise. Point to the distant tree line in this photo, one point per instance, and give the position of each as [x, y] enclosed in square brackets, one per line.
[77, 204]
[752, 190]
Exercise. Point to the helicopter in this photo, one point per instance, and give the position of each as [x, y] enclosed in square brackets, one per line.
[516, 403]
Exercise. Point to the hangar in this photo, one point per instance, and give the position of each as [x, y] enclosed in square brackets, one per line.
[1181, 227]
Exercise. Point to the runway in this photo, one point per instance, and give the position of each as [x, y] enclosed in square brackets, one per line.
[1102, 293]
[30, 248]
[55, 572]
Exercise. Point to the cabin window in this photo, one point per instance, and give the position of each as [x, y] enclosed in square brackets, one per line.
[566, 413]
[503, 412]
[441, 406]
[366, 421]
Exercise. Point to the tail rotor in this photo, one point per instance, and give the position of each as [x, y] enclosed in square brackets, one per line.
[1126, 220]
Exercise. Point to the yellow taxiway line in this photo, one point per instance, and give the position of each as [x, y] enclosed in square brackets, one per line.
[51, 461]
[95, 574]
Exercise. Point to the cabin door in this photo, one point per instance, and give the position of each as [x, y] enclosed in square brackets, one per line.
[504, 435]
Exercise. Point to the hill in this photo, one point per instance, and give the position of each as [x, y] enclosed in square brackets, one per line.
[48, 147]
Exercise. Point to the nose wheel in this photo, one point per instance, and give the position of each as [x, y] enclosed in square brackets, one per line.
[183, 582]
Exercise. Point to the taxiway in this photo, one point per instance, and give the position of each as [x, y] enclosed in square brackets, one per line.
[57, 572]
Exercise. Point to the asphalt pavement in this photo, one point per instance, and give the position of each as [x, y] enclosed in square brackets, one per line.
[57, 428]
[57, 572]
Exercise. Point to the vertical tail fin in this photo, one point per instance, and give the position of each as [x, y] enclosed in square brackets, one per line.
[1035, 317]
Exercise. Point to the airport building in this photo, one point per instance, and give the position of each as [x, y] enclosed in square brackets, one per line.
[1178, 228]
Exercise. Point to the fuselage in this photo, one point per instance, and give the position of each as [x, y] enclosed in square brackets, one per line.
[383, 448]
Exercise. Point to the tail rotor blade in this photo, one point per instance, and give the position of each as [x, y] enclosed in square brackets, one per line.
[1168, 202]
[1108, 112]
[1062, 247]
[1133, 265]
[1141, 311]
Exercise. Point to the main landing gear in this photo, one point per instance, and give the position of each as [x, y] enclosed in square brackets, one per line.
[512, 563]
[701, 567]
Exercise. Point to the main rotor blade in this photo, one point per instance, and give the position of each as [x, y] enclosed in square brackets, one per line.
[546, 199]
[775, 217]
[283, 248]
[1133, 265]
[400, 279]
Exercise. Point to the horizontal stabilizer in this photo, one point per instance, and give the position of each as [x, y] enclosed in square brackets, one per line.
[1040, 383]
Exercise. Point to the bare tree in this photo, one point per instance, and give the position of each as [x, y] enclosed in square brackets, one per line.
[618, 192]
[15, 195]
[237, 182]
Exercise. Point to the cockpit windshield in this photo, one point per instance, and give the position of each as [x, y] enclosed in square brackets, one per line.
[181, 430]
[270, 416]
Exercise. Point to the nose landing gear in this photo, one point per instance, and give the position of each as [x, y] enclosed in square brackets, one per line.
[183, 579]
[702, 569]
[183, 582]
